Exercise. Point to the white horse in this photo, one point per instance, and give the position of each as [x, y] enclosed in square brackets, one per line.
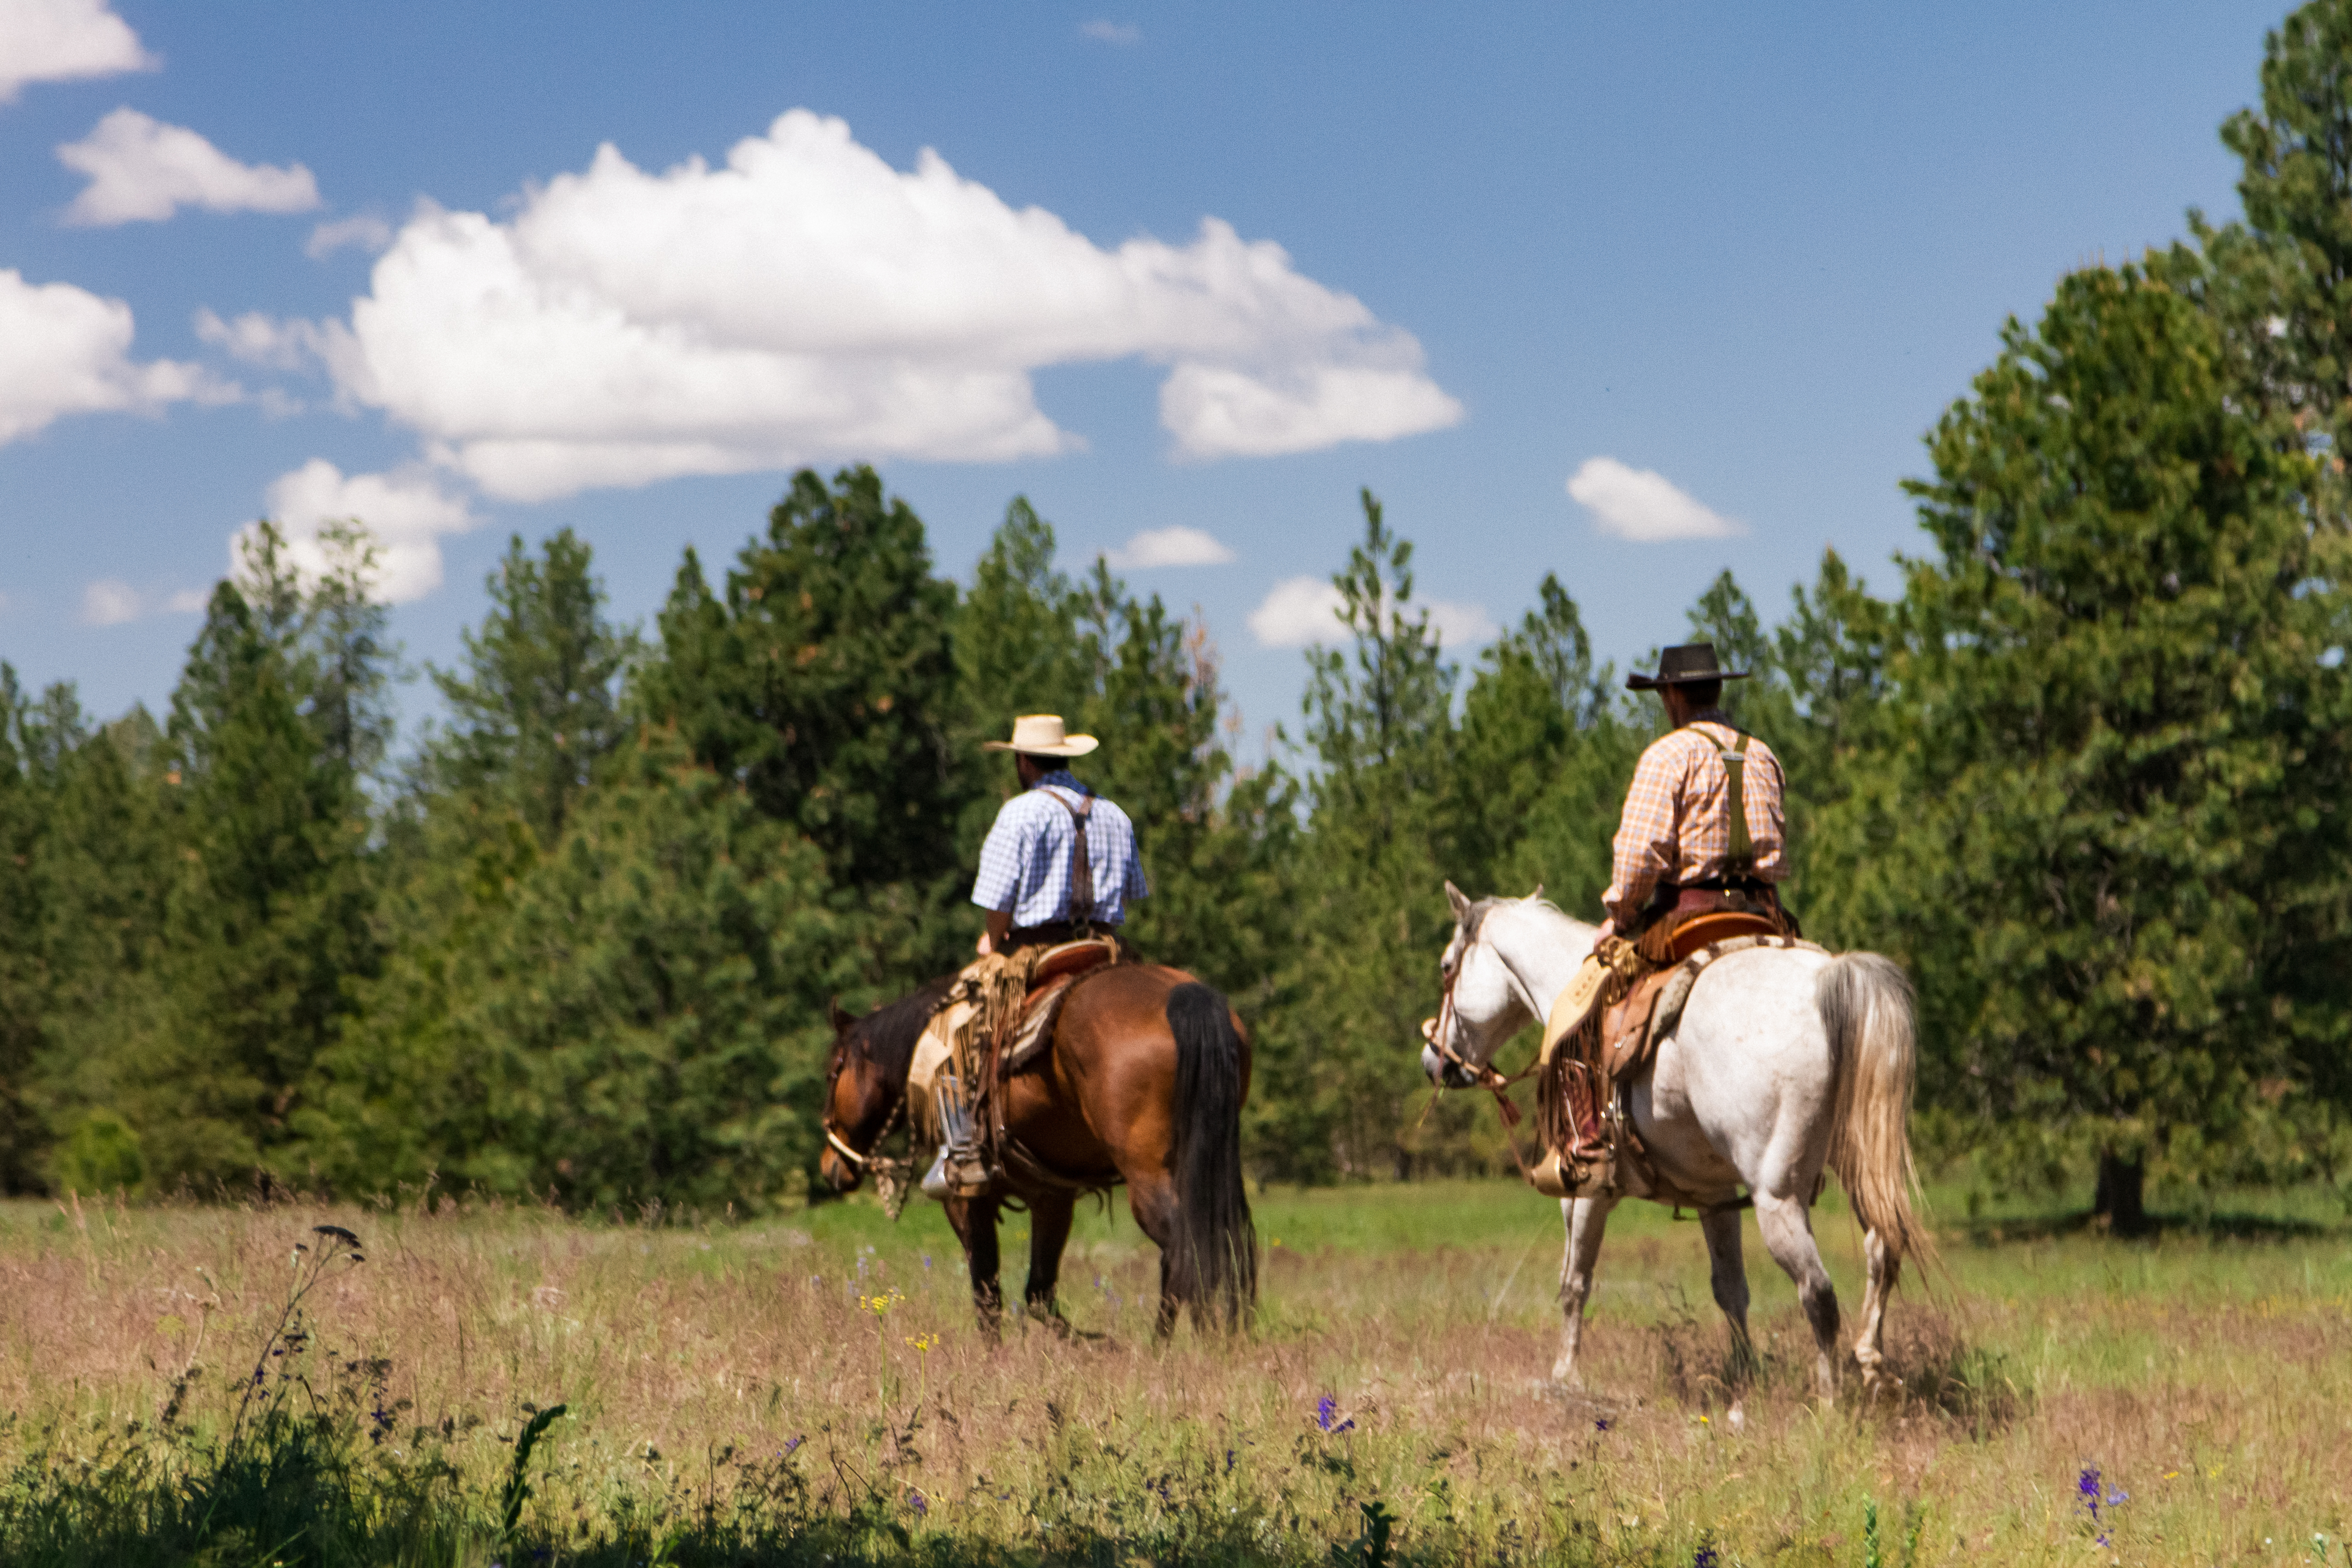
[1785, 1061]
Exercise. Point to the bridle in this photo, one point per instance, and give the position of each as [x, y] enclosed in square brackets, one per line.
[891, 1176]
[1481, 1074]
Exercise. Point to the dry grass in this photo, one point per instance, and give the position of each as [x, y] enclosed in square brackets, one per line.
[707, 1367]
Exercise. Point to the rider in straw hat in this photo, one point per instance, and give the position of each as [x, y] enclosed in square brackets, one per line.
[1060, 858]
[1059, 865]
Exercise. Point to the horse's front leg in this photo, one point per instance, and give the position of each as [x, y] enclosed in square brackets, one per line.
[1049, 1233]
[1585, 1218]
[976, 1226]
[1729, 1277]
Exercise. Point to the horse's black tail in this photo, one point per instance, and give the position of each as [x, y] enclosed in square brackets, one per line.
[1214, 1259]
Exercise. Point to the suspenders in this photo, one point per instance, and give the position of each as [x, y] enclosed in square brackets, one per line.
[1082, 871]
[1742, 860]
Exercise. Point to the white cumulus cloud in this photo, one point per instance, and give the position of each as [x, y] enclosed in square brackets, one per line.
[1644, 505]
[406, 513]
[807, 301]
[141, 170]
[65, 350]
[1301, 611]
[1177, 546]
[64, 40]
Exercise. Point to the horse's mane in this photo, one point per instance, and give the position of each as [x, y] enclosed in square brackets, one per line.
[886, 1035]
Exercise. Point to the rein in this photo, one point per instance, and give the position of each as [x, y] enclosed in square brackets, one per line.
[893, 1177]
[1480, 1074]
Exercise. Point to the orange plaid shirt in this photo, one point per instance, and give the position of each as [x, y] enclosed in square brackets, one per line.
[1677, 823]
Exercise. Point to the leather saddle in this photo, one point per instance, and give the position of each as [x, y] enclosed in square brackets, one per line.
[1057, 970]
[1632, 1026]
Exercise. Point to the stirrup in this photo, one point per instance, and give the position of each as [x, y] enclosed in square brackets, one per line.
[958, 1173]
[1557, 1176]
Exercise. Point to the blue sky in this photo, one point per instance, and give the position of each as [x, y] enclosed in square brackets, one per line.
[1200, 268]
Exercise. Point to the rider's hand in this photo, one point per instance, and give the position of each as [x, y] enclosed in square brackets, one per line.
[983, 946]
[1608, 928]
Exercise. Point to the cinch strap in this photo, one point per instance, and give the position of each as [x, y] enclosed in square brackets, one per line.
[1082, 871]
[1742, 861]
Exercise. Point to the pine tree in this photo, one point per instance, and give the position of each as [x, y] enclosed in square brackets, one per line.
[823, 680]
[2108, 831]
[1371, 911]
[536, 704]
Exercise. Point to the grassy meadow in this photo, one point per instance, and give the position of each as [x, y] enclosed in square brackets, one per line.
[811, 1388]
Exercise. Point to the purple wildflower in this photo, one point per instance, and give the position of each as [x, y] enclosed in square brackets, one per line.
[1326, 1407]
[1706, 1556]
[915, 1500]
[1602, 1424]
[795, 1443]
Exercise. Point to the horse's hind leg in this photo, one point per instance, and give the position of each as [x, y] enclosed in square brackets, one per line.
[976, 1226]
[1587, 1218]
[1049, 1233]
[1729, 1277]
[1151, 1198]
[1788, 1230]
[1886, 1266]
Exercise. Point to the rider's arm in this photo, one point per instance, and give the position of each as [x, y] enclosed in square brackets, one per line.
[1000, 926]
[1643, 851]
[1004, 862]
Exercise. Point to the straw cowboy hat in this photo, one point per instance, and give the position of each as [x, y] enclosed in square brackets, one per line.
[1692, 663]
[1040, 735]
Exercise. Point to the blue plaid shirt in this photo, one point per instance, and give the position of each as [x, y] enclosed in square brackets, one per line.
[1026, 866]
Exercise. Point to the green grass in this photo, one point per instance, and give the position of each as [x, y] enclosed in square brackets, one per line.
[2205, 1370]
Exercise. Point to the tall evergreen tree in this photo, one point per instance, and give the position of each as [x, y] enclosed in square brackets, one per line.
[2106, 830]
[268, 917]
[821, 678]
[1372, 911]
[536, 704]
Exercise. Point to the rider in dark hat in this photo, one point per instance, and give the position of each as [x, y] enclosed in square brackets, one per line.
[1702, 834]
[1681, 849]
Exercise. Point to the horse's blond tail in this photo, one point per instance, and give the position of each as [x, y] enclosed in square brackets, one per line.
[1865, 1003]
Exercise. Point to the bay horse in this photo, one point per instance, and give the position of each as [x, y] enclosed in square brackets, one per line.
[1144, 1084]
[1786, 1062]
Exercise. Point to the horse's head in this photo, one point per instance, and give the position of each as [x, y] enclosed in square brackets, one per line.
[1481, 1006]
[860, 1101]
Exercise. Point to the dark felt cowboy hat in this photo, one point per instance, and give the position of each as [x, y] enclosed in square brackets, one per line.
[1692, 663]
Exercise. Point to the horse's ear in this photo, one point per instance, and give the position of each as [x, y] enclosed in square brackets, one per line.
[1536, 894]
[1460, 900]
[842, 1018]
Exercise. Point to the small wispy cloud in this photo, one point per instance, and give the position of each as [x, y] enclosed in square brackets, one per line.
[1644, 505]
[1104, 31]
[1177, 546]
[366, 231]
[143, 171]
[1301, 612]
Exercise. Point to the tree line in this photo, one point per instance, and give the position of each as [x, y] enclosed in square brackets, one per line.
[2083, 775]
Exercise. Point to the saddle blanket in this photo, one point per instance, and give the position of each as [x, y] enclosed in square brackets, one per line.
[952, 1034]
